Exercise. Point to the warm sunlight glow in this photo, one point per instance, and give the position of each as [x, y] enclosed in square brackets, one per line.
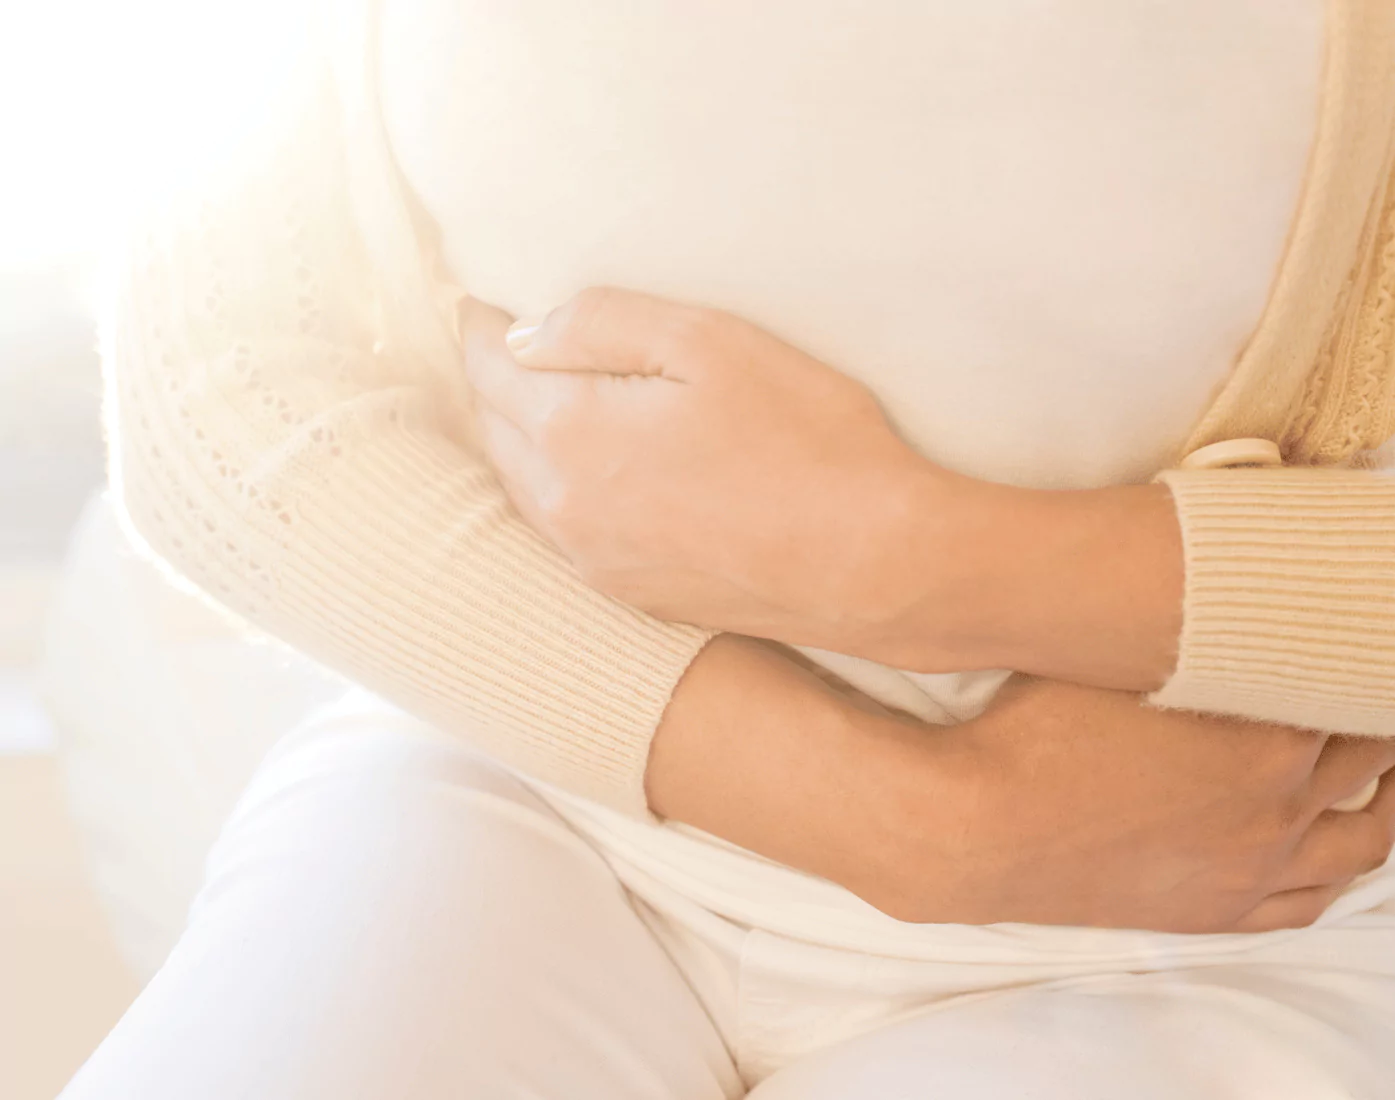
[104, 103]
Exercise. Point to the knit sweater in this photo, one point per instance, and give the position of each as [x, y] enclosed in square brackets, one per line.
[287, 432]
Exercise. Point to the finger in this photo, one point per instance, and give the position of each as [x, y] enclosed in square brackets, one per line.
[604, 330]
[525, 398]
[1360, 800]
[1346, 768]
[1290, 909]
[473, 316]
[1336, 848]
[487, 362]
[1381, 808]
[521, 468]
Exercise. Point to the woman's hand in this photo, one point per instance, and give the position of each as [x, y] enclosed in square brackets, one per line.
[702, 470]
[1076, 805]
[1059, 805]
[694, 466]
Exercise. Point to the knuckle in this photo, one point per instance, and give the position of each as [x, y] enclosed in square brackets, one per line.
[1378, 849]
[691, 327]
[697, 321]
[586, 314]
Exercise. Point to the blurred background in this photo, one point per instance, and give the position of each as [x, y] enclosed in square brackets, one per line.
[105, 107]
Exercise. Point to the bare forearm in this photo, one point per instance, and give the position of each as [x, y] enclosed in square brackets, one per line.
[1096, 592]
[1038, 810]
[1084, 586]
[758, 751]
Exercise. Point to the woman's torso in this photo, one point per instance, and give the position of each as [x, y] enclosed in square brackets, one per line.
[1039, 233]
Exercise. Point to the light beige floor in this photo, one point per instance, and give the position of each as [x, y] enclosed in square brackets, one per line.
[62, 985]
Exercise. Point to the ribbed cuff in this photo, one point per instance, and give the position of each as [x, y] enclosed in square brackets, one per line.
[1289, 612]
[399, 565]
[495, 632]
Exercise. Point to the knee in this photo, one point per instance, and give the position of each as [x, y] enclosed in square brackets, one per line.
[391, 803]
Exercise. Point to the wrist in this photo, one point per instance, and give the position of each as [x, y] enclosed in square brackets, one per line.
[745, 711]
[1082, 585]
[758, 751]
[1098, 588]
[932, 595]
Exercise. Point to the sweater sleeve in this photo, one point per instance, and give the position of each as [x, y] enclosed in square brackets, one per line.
[1289, 609]
[325, 489]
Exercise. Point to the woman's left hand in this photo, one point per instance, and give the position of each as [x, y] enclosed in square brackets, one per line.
[697, 467]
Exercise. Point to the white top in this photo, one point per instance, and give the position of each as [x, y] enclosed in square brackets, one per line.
[986, 211]
[1039, 233]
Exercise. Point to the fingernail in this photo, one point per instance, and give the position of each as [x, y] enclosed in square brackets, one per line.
[520, 335]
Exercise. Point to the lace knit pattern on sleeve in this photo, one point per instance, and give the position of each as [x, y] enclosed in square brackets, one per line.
[1347, 409]
[269, 447]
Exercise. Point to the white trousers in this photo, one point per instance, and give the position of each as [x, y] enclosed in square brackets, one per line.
[387, 915]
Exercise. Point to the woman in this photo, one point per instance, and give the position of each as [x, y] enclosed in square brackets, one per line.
[598, 853]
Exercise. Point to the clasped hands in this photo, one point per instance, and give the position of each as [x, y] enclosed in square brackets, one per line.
[694, 466]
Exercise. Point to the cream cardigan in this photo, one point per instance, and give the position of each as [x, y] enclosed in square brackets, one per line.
[283, 396]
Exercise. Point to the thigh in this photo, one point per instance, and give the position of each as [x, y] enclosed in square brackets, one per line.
[1232, 1033]
[387, 915]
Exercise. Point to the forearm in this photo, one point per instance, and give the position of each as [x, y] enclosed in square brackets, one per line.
[1258, 593]
[759, 752]
[1035, 811]
[1094, 594]
[1083, 586]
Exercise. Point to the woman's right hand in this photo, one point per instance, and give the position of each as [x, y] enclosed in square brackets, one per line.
[1082, 806]
[1061, 804]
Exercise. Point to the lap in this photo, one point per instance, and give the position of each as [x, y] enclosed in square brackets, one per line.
[1236, 1033]
[387, 915]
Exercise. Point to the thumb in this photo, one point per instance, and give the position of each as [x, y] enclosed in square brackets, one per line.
[601, 329]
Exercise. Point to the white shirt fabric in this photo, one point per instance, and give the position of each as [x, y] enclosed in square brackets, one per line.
[1039, 232]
